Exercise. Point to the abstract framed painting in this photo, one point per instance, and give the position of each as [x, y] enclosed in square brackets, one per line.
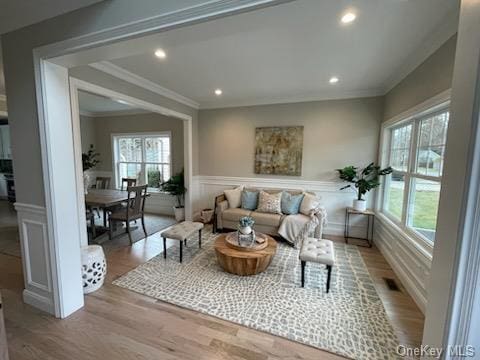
[278, 150]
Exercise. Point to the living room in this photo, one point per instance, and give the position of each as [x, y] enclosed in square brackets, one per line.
[376, 90]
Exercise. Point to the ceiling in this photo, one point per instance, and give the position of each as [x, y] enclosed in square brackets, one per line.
[96, 105]
[288, 52]
[16, 14]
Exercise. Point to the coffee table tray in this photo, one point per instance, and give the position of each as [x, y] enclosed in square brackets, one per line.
[231, 240]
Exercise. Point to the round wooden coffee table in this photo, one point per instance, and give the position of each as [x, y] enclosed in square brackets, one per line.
[244, 261]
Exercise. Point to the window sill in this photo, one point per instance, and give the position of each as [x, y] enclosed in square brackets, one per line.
[418, 243]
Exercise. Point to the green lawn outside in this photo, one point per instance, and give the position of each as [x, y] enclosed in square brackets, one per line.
[426, 207]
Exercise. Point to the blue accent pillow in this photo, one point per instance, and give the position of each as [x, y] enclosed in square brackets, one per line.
[291, 203]
[249, 200]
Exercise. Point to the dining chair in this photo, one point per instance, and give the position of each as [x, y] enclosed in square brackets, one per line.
[90, 217]
[102, 182]
[126, 182]
[133, 211]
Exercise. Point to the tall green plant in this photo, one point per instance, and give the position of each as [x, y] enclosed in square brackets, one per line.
[363, 180]
[176, 186]
[89, 159]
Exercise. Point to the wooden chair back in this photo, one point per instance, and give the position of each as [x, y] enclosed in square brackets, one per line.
[102, 182]
[136, 200]
[128, 182]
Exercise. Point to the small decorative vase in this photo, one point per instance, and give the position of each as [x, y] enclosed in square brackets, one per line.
[86, 181]
[246, 230]
[360, 205]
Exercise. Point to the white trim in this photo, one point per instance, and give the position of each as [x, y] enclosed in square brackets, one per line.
[113, 113]
[294, 98]
[331, 197]
[84, 85]
[40, 302]
[125, 75]
[66, 294]
[143, 135]
[314, 185]
[162, 22]
[428, 105]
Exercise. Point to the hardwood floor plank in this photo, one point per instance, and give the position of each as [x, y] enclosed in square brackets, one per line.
[120, 324]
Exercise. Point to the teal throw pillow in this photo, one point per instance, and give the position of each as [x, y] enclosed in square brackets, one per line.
[249, 200]
[291, 203]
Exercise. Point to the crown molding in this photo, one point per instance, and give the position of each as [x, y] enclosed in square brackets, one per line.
[113, 113]
[318, 96]
[120, 73]
[432, 42]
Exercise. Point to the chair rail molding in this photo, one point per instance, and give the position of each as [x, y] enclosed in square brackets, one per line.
[37, 250]
[335, 201]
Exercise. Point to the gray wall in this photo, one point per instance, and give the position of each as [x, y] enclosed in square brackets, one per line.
[98, 131]
[3, 105]
[336, 133]
[430, 78]
[18, 48]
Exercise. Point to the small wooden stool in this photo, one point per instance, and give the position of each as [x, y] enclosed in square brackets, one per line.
[319, 251]
[182, 232]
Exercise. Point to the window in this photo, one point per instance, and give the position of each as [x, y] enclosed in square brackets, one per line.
[145, 157]
[416, 151]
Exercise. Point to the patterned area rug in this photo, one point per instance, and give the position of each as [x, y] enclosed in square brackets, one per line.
[349, 321]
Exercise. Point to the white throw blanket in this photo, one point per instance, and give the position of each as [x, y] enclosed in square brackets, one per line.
[294, 228]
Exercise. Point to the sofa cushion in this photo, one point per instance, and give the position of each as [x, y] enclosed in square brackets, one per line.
[234, 214]
[269, 203]
[291, 203]
[234, 197]
[249, 199]
[310, 202]
[266, 219]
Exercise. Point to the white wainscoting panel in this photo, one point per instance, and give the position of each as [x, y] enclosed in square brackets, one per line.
[335, 201]
[36, 259]
[410, 263]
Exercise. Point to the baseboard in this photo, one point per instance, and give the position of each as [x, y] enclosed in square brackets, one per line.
[38, 301]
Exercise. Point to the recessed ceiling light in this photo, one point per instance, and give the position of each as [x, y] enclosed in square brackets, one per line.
[160, 53]
[218, 92]
[333, 80]
[348, 17]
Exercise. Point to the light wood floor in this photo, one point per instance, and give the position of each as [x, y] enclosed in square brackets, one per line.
[119, 324]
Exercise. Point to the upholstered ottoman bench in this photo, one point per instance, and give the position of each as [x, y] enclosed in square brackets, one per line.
[318, 251]
[181, 232]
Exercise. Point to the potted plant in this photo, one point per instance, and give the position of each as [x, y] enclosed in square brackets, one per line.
[89, 161]
[363, 181]
[175, 186]
[245, 225]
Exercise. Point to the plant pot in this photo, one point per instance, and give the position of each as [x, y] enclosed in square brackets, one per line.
[245, 230]
[179, 213]
[86, 181]
[359, 205]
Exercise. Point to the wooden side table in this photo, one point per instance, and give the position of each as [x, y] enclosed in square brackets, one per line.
[370, 224]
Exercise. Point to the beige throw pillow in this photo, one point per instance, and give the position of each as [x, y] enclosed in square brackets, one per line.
[309, 203]
[270, 203]
[234, 197]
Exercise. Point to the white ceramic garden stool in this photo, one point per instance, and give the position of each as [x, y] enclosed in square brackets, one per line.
[94, 268]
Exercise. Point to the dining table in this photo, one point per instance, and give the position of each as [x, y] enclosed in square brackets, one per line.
[104, 199]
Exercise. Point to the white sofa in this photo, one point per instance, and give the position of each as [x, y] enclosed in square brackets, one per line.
[226, 217]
